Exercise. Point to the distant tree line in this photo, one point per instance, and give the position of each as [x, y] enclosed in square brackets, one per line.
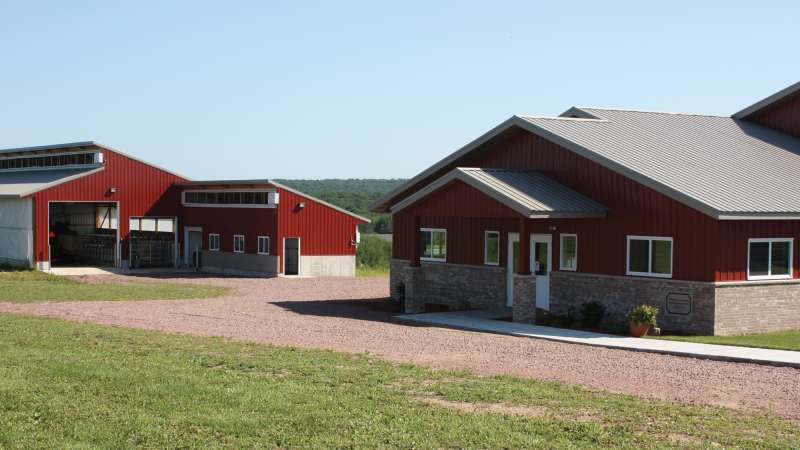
[354, 195]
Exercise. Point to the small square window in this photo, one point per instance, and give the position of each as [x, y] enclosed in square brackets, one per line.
[569, 252]
[769, 259]
[213, 242]
[238, 243]
[263, 245]
[433, 244]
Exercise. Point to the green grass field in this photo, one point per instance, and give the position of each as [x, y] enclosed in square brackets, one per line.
[67, 385]
[783, 340]
[35, 287]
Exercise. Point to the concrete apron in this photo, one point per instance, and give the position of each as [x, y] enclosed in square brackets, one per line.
[486, 321]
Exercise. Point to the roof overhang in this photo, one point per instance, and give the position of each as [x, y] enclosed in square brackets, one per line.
[767, 102]
[34, 187]
[507, 194]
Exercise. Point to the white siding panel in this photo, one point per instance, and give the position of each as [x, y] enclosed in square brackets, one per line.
[16, 232]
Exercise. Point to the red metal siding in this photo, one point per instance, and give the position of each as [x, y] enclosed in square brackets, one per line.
[633, 210]
[322, 230]
[250, 222]
[732, 264]
[141, 190]
[784, 116]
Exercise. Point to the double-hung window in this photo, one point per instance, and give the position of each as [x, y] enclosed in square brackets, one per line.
[569, 252]
[769, 259]
[213, 242]
[650, 256]
[263, 245]
[433, 244]
[238, 243]
[491, 248]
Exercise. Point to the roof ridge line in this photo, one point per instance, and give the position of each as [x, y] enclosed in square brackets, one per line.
[602, 108]
[573, 119]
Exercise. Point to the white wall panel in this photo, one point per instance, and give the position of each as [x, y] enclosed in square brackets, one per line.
[16, 231]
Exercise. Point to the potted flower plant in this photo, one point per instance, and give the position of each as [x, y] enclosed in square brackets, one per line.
[640, 319]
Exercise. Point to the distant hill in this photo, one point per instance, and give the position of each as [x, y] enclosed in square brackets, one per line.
[354, 195]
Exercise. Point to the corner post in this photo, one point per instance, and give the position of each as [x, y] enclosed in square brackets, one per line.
[415, 243]
[524, 247]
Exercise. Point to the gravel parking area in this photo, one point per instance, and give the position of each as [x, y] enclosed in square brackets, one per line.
[351, 315]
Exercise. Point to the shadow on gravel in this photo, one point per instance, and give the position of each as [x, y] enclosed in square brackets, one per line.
[373, 309]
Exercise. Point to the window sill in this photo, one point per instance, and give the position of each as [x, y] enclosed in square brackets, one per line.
[437, 260]
[769, 277]
[649, 275]
[494, 264]
[567, 269]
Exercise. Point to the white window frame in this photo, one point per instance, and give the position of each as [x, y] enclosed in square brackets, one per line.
[272, 198]
[486, 248]
[210, 248]
[769, 259]
[234, 243]
[431, 258]
[258, 243]
[561, 265]
[650, 273]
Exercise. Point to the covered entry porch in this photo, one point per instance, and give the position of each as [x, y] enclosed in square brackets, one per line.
[489, 239]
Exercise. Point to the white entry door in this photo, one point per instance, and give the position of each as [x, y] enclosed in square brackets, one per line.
[541, 264]
[512, 266]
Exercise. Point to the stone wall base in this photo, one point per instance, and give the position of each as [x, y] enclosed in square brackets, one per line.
[524, 298]
[684, 306]
[456, 286]
[757, 307]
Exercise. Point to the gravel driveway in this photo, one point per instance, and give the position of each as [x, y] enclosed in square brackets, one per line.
[350, 315]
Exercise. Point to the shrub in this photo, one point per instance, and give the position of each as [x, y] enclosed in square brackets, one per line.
[592, 313]
[643, 314]
[373, 253]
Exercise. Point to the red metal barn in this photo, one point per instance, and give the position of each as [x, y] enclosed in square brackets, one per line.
[88, 204]
[73, 204]
[695, 214]
[261, 226]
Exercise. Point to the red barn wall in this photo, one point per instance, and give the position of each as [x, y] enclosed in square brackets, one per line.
[250, 222]
[734, 234]
[783, 116]
[322, 229]
[141, 190]
[634, 209]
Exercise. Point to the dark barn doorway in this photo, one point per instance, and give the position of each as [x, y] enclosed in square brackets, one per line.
[292, 255]
[83, 233]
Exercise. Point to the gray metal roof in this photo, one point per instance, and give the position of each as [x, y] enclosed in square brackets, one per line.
[724, 167]
[766, 102]
[532, 194]
[21, 183]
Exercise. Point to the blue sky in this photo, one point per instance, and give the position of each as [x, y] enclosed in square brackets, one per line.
[364, 89]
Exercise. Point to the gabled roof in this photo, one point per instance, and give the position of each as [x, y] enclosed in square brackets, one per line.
[531, 194]
[266, 182]
[22, 183]
[724, 167]
[769, 101]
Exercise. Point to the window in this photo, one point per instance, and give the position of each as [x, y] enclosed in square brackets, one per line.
[491, 248]
[213, 242]
[238, 243]
[569, 252]
[650, 256]
[230, 199]
[769, 258]
[263, 245]
[433, 243]
[47, 161]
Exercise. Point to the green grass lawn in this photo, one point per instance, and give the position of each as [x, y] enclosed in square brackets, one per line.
[372, 272]
[65, 384]
[34, 287]
[784, 340]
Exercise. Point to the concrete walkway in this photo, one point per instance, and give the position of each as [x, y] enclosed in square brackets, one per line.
[89, 270]
[486, 321]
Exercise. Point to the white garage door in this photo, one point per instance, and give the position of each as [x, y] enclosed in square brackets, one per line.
[16, 232]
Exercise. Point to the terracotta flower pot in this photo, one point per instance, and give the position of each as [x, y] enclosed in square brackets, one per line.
[638, 330]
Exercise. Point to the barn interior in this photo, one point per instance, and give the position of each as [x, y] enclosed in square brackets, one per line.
[84, 233]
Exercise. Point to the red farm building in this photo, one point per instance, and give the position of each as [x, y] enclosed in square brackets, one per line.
[695, 214]
[88, 204]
